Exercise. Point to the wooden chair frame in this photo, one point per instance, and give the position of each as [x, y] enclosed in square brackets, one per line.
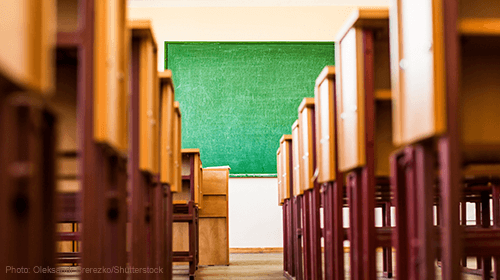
[188, 211]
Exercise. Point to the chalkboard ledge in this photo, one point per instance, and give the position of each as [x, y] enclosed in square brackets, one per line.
[253, 175]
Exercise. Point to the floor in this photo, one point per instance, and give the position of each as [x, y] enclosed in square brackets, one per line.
[242, 266]
[259, 266]
[268, 266]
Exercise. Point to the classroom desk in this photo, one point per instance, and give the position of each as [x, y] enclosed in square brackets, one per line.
[445, 90]
[144, 147]
[164, 193]
[364, 130]
[311, 197]
[297, 197]
[92, 83]
[329, 177]
[214, 216]
[28, 131]
[286, 173]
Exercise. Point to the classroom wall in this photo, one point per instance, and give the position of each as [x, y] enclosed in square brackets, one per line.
[255, 219]
[319, 23]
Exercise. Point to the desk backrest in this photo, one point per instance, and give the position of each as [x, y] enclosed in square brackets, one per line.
[324, 97]
[307, 143]
[177, 177]
[167, 127]
[111, 73]
[297, 189]
[144, 41]
[352, 69]
[27, 55]
[279, 177]
[417, 69]
[286, 165]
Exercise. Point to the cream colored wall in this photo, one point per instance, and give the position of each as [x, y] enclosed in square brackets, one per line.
[318, 23]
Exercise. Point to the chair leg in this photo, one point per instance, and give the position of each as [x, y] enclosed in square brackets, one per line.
[316, 261]
[355, 225]
[192, 244]
[305, 235]
[496, 224]
[485, 223]
[386, 222]
[298, 237]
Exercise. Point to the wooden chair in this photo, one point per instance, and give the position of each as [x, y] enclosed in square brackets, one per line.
[214, 216]
[364, 133]
[329, 177]
[297, 200]
[27, 136]
[186, 207]
[92, 75]
[144, 152]
[308, 183]
[167, 176]
[286, 173]
[445, 91]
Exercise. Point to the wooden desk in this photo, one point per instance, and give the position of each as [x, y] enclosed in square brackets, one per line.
[310, 202]
[364, 128]
[329, 177]
[297, 201]
[27, 135]
[289, 228]
[92, 82]
[446, 94]
[214, 217]
[144, 151]
[164, 195]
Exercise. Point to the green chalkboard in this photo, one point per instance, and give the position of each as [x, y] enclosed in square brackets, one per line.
[237, 99]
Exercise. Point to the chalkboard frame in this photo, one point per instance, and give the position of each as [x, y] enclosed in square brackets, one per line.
[167, 43]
